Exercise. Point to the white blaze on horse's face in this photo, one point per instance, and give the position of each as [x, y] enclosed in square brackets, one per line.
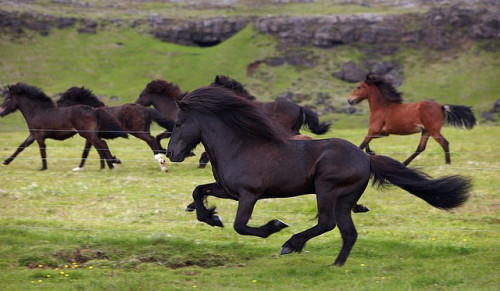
[185, 136]
[358, 94]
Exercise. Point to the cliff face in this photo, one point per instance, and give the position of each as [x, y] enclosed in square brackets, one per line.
[439, 28]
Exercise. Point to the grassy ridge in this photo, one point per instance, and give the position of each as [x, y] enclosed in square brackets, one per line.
[131, 227]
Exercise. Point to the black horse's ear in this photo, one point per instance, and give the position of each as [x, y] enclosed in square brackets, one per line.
[216, 79]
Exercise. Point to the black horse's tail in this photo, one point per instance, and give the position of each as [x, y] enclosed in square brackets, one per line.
[157, 117]
[310, 120]
[459, 116]
[444, 193]
[109, 127]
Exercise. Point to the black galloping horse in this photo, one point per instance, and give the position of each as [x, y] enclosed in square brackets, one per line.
[134, 118]
[252, 161]
[45, 120]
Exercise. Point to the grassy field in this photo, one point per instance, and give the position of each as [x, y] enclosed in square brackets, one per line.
[127, 229]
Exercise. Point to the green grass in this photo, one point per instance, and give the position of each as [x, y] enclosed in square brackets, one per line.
[130, 226]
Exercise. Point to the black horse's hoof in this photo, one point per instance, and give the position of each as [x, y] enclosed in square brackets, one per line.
[360, 208]
[190, 208]
[278, 224]
[286, 250]
[217, 221]
[202, 166]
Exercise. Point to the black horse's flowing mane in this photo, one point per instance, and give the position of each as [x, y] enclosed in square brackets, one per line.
[233, 85]
[81, 95]
[164, 89]
[24, 90]
[385, 87]
[236, 112]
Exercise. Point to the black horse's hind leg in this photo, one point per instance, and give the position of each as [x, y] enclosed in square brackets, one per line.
[43, 154]
[85, 154]
[326, 201]
[246, 202]
[26, 143]
[421, 147]
[101, 146]
[347, 230]
[203, 160]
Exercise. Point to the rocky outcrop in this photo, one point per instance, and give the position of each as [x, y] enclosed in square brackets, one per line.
[439, 28]
[206, 32]
[352, 72]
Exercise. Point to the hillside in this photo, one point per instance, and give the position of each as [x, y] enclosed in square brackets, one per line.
[58, 44]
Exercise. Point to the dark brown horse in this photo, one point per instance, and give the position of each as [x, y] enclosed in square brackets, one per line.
[389, 115]
[252, 161]
[134, 118]
[45, 120]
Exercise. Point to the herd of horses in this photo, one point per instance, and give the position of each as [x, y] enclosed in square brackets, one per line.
[255, 148]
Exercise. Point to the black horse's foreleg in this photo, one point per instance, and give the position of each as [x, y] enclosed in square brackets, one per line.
[246, 203]
[203, 160]
[202, 213]
[26, 143]
[420, 148]
[43, 154]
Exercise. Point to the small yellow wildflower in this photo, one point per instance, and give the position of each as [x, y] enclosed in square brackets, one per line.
[48, 276]
[433, 238]
[90, 267]
[57, 269]
[362, 265]
[66, 275]
[464, 239]
[347, 271]
[383, 278]
[40, 266]
[254, 281]
[194, 286]
[73, 263]
[32, 282]
[62, 273]
[40, 281]
[65, 266]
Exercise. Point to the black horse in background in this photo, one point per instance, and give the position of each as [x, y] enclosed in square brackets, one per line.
[252, 161]
[45, 120]
[134, 118]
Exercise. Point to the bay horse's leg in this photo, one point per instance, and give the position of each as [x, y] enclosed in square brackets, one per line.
[444, 144]
[326, 200]
[420, 148]
[365, 143]
[41, 145]
[85, 154]
[26, 143]
[246, 202]
[155, 146]
[203, 160]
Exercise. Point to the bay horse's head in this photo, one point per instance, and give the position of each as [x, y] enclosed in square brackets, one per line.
[365, 89]
[159, 89]
[233, 85]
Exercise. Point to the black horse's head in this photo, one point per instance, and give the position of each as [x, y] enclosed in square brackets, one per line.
[233, 85]
[185, 136]
[9, 103]
[158, 88]
[78, 95]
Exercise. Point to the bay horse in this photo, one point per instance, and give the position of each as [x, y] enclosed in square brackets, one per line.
[251, 160]
[134, 118]
[45, 120]
[389, 115]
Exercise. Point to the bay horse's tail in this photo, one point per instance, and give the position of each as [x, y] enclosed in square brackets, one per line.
[444, 193]
[157, 117]
[459, 116]
[311, 121]
[109, 127]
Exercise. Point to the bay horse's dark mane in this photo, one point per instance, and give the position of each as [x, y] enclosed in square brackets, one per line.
[233, 85]
[164, 88]
[32, 93]
[236, 112]
[388, 91]
[82, 95]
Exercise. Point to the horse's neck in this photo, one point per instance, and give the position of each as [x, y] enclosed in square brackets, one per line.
[165, 106]
[377, 102]
[31, 109]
